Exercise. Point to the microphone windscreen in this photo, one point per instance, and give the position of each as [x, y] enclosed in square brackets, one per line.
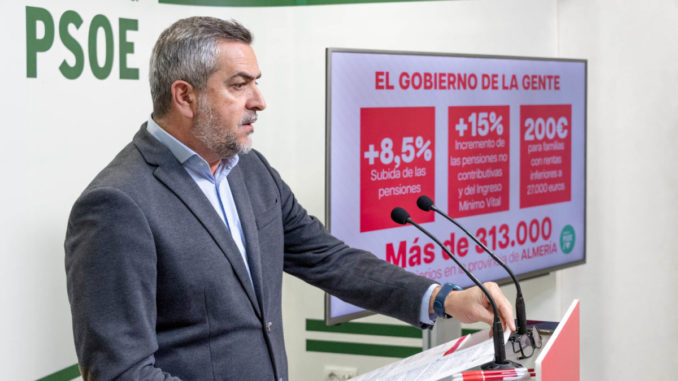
[424, 203]
[399, 215]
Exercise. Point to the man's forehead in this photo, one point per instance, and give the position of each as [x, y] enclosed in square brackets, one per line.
[238, 60]
[247, 76]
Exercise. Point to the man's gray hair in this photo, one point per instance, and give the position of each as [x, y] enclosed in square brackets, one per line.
[188, 51]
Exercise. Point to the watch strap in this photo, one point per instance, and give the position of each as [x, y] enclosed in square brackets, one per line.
[439, 301]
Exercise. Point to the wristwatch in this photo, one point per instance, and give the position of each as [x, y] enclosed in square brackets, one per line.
[439, 302]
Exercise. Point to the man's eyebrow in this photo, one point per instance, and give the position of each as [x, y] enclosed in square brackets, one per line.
[246, 76]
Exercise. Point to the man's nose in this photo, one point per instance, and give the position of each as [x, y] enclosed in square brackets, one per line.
[256, 101]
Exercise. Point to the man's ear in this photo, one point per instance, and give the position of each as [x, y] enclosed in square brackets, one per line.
[184, 98]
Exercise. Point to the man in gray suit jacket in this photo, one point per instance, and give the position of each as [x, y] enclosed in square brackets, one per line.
[175, 251]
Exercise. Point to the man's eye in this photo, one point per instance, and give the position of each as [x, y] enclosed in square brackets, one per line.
[239, 85]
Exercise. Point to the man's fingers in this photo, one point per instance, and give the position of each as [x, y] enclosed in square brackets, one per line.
[484, 315]
[506, 312]
[507, 316]
[472, 305]
[504, 307]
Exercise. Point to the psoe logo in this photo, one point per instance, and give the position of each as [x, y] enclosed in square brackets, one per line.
[567, 238]
[40, 19]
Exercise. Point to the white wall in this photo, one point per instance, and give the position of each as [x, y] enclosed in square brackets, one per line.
[628, 287]
[58, 133]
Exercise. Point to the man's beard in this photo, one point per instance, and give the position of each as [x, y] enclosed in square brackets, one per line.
[211, 131]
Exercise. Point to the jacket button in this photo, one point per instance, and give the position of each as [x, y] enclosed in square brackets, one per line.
[268, 326]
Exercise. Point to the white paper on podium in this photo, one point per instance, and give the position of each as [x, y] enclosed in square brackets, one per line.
[455, 356]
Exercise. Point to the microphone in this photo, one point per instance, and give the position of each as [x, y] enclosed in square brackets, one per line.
[402, 217]
[426, 204]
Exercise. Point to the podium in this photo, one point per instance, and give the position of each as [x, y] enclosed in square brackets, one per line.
[558, 358]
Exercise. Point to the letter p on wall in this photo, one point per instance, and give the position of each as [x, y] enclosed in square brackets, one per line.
[35, 45]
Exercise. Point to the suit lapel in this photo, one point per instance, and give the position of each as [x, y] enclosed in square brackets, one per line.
[248, 222]
[170, 172]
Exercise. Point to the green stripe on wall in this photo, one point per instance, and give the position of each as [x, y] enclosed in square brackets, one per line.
[468, 331]
[72, 372]
[65, 374]
[276, 3]
[365, 329]
[361, 349]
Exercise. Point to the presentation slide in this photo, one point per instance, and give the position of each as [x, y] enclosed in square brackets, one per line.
[499, 143]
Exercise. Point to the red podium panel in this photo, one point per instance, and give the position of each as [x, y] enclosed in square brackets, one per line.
[559, 359]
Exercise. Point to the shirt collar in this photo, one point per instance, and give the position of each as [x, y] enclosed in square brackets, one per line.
[183, 153]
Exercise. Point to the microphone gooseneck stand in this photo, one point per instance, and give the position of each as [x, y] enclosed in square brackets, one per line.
[426, 204]
[402, 217]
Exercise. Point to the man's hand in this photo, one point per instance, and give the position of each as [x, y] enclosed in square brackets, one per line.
[471, 305]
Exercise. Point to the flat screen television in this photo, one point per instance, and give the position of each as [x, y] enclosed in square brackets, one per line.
[498, 143]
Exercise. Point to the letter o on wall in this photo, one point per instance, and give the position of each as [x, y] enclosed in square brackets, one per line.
[100, 22]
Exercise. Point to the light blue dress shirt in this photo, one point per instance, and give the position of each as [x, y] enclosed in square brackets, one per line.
[218, 192]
